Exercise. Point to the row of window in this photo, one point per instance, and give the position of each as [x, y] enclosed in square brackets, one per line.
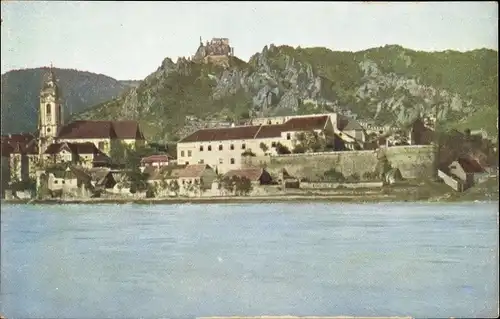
[221, 161]
[231, 147]
[209, 148]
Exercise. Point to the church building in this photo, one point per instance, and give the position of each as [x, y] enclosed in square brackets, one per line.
[86, 143]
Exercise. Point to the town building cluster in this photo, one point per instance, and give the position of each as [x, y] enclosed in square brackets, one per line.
[89, 150]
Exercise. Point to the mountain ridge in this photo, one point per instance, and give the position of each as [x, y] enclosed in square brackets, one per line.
[387, 85]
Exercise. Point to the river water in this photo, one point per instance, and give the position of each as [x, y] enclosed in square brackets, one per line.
[184, 261]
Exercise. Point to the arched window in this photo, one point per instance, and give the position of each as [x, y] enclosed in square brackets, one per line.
[48, 109]
[232, 160]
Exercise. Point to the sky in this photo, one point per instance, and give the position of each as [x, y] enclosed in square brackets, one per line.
[129, 40]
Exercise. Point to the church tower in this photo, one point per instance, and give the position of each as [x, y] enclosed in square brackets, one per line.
[50, 114]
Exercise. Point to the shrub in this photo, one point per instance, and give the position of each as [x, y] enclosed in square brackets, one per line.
[353, 178]
[263, 147]
[370, 176]
[248, 153]
[243, 186]
[150, 193]
[299, 148]
[333, 175]
[282, 149]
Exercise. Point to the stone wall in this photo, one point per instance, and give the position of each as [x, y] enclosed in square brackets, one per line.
[325, 185]
[413, 161]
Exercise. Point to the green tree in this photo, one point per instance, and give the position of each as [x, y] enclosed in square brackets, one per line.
[242, 185]
[15, 169]
[151, 191]
[282, 149]
[299, 149]
[175, 187]
[383, 166]
[228, 184]
[198, 187]
[43, 189]
[164, 183]
[310, 141]
[248, 153]
[264, 147]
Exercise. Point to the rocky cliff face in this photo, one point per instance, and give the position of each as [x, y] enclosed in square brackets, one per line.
[391, 85]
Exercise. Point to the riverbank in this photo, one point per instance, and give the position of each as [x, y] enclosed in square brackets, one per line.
[414, 192]
[361, 199]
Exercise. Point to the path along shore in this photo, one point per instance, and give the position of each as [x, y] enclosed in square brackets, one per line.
[360, 199]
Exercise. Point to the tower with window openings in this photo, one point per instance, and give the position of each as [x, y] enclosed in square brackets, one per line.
[50, 115]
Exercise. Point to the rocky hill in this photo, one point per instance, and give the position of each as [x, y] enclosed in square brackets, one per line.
[20, 95]
[391, 85]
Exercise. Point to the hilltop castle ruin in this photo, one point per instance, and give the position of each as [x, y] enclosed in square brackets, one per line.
[217, 50]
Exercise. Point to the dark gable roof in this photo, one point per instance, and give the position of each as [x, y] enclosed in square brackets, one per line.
[101, 129]
[270, 131]
[345, 123]
[308, 123]
[18, 138]
[6, 149]
[25, 143]
[470, 165]
[84, 148]
[76, 148]
[222, 134]
[87, 129]
[54, 148]
[128, 130]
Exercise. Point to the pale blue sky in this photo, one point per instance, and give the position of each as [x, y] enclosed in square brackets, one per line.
[129, 40]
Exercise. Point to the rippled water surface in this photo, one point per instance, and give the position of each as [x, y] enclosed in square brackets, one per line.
[183, 261]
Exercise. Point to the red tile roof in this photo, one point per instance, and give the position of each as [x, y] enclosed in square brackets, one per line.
[84, 148]
[257, 131]
[470, 165]
[6, 148]
[101, 129]
[270, 131]
[193, 171]
[128, 130]
[306, 123]
[156, 159]
[18, 138]
[167, 172]
[21, 143]
[222, 134]
[87, 129]
[253, 174]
